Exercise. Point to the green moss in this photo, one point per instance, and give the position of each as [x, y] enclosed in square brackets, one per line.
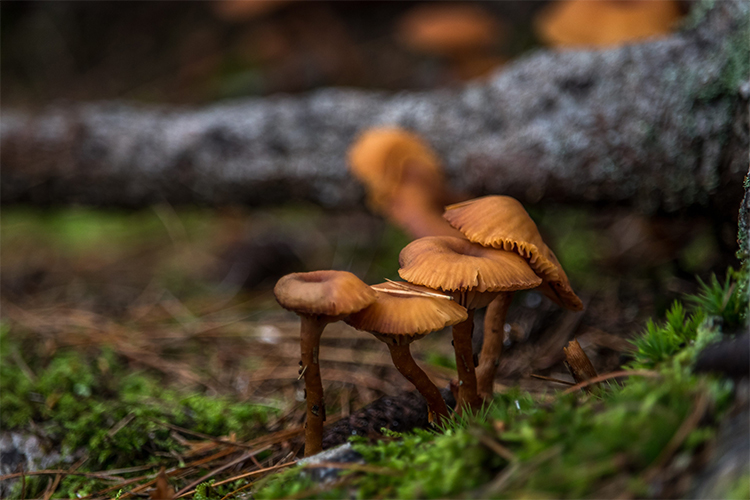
[90, 401]
[564, 450]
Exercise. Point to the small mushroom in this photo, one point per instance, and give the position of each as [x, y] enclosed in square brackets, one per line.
[465, 35]
[319, 298]
[404, 180]
[474, 275]
[501, 222]
[402, 314]
[605, 23]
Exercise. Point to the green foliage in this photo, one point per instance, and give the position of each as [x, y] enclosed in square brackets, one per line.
[91, 402]
[661, 341]
[717, 307]
[728, 301]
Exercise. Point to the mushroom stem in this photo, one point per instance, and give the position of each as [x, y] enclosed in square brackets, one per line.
[467, 389]
[416, 212]
[404, 363]
[492, 346]
[311, 328]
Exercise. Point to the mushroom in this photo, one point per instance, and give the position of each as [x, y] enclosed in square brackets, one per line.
[404, 180]
[319, 298]
[402, 314]
[501, 222]
[473, 275]
[466, 35]
[604, 23]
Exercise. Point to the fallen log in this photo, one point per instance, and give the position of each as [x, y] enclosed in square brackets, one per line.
[657, 125]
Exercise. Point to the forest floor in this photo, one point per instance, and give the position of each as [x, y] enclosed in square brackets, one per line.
[140, 342]
[142, 353]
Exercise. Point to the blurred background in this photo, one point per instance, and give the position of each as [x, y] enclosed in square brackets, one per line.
[197, 52]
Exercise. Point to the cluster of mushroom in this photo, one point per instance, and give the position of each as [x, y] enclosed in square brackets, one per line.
[447, 279]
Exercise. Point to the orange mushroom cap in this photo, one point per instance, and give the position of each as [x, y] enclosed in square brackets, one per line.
[323, 293]
[448, 29]
[457, 265]
[404, 312]
[384, 158]
[244, 10]
[604, 23]
[501, 222]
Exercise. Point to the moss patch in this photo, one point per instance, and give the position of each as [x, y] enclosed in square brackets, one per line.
[91, 402]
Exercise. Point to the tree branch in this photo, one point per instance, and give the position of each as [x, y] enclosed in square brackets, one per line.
[663, 124]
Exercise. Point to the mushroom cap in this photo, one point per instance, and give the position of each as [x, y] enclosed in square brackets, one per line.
[605, 23]
[384, 158]
[404, 318]
[501, 222]
[323, 293]
[457, 265]
[448, 29]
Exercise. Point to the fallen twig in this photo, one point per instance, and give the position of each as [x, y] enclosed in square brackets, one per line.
[611, 375]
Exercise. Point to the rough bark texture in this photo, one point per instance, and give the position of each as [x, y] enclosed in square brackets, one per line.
[661, 124]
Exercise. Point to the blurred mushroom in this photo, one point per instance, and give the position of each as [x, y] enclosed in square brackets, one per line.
[464, 34]
[446, 29]
[244, 10]
[604, 23]
[474, 275]
[501, 222]
[403, 179]
[402, 314]
[319, 298]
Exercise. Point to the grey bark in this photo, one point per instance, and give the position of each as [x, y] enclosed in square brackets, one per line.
[662, 125]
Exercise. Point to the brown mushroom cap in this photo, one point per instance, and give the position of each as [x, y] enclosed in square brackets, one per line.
[605, 23]
[383, 158]
[405, 317]
[446, 29]
[455, 264]
[323, 293]
[403, 179]
[501, 222]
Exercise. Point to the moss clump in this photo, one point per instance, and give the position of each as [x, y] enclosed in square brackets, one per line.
[565, 450]
[89, 401]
